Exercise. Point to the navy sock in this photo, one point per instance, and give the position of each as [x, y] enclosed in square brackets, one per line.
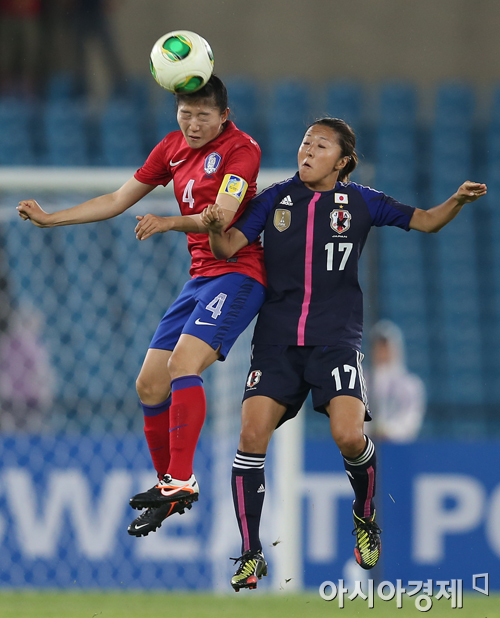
[362, 472]
[249, 485]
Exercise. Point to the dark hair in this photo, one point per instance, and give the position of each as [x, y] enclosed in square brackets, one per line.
[213, 92]
[347, 142]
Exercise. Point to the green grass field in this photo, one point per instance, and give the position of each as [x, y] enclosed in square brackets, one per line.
[246, 604]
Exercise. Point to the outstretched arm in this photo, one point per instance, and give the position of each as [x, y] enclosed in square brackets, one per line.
[152, 224]
[434, 219]
[224, 244]
[96, 209]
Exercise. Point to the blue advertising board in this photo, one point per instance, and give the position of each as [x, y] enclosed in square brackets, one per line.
[64, 515]
[438, 505]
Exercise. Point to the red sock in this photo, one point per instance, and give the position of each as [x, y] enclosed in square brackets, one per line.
[156, 426]
[187, 415]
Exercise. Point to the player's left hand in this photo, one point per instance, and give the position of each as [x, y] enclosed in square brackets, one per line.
[470, 192]
[149, 225]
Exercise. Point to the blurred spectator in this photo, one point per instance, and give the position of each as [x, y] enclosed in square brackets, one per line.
[91, 23]
[19, 40]
[397, 397]
[27, 380]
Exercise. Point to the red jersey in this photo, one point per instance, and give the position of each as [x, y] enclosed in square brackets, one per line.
[198, 174]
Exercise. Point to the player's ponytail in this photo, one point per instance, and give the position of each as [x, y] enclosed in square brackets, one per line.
[347, 143]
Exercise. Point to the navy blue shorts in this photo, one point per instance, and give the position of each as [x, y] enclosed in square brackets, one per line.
[288, 373]
[214, 309]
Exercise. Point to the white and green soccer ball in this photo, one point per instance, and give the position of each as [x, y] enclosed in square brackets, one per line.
[182, 61]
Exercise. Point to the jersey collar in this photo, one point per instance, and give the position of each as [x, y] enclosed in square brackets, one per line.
[338, 186]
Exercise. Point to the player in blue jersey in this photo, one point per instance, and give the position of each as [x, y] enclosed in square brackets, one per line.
[309, 330]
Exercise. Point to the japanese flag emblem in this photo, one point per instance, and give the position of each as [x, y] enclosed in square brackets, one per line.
[341, 198]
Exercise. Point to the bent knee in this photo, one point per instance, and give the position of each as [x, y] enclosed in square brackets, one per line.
[350, 444]
[254, 440]
[177, 368]
[151, 393]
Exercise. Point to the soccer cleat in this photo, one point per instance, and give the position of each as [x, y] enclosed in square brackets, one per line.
[168, 490]
[368, 546]
[253, 566]
[152, 519]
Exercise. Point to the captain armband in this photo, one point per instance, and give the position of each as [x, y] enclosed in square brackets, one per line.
[235, 187]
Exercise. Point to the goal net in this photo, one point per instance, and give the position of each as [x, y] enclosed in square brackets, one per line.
[79, 306]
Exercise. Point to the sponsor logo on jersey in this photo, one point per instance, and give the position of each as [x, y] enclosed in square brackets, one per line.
[340, 220]
[287, 201]
[212, 163]
[341, 198]
[254, 378]
[234, 186]
[282, 219]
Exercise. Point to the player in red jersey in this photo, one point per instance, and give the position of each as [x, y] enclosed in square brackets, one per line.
[209, 160]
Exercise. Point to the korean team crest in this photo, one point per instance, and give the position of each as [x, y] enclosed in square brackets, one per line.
[212, 163]
[254, 378]
[282, 219]
[340, 220]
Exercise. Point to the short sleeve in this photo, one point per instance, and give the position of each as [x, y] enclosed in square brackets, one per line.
[155, 170]
[253, 221]
[385, 210]
[244, 161]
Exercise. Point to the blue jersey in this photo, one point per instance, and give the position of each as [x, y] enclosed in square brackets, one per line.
[312, 245]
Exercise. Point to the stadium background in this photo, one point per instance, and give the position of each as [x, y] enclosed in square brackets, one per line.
[419, 83]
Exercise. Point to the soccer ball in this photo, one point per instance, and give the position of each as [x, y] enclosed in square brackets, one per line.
[182, 61]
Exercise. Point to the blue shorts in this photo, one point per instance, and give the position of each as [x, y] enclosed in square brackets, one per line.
[288, 373]
[214, 309]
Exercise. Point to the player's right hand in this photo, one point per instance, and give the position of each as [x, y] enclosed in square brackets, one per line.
[30, 209]
[212, 217]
